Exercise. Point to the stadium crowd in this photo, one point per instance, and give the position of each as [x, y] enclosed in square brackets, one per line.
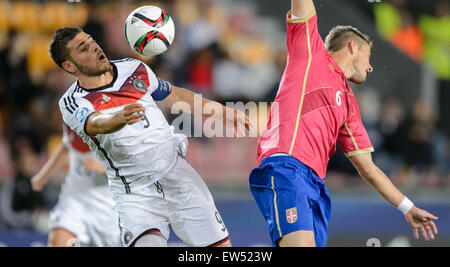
[223, 51]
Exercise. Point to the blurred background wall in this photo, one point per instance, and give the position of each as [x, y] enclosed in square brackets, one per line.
[229, 51]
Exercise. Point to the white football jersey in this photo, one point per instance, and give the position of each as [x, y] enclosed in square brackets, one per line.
[79, 178]
[139, 154]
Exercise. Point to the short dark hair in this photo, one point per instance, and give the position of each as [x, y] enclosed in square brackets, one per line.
[58, 47]
[340, 36]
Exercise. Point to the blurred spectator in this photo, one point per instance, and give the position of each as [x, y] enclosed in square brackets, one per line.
[408, 37]
[388, 17]
[18, 87]
[94, 25]
[396, 24]
[391, 117]
[6, 167]
[388, 153]
[228, 89]
[199, 70]
[19, 204]
[417, 132]
[436, 29]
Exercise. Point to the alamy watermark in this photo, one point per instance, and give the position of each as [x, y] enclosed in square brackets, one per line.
[213, 120]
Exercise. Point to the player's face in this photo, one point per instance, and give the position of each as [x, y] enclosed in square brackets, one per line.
[361, 65]
[87, 56]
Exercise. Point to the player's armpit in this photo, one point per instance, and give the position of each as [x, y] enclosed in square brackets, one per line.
[302, 8]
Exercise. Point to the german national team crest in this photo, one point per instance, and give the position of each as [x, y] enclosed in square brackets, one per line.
[291, 215]
[139, 85]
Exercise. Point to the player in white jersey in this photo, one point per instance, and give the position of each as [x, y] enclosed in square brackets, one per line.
[112, 108]
[84, 214]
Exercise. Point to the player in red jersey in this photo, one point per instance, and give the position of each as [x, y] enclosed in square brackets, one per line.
[315, 109]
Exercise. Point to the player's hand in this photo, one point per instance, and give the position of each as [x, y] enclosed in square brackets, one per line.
[239, 121]
[421, 220]
[37, 182]
[132, 113]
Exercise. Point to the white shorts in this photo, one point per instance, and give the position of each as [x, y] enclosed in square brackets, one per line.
[180, 199]
[88, 214]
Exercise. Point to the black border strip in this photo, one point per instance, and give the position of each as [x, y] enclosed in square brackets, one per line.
[151, 230]
[220, 242]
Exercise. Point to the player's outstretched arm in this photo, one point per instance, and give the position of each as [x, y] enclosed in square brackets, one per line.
[231, 117]
[104, 123]
[302, 8]
[420, 220]
[56, 160]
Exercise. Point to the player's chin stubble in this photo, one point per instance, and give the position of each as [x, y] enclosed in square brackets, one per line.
[91, 72]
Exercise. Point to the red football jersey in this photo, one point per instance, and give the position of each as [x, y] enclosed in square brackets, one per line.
[314, 107]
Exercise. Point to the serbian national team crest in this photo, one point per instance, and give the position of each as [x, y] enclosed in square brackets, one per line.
[291, 215]
[139, 85]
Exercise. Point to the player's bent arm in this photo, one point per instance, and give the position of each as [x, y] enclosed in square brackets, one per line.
[56, 160]
[302, 8]
[104, 123]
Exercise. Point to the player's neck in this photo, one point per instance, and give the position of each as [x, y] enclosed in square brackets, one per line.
[343, 61]
[91, 82]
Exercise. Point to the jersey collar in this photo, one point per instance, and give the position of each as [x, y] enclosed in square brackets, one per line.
[334, 66]
[104, 86]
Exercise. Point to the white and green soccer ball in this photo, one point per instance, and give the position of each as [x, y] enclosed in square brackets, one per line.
[149, 30]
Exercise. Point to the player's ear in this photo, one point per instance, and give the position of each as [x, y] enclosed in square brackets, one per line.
[352, 47]
[68, 66]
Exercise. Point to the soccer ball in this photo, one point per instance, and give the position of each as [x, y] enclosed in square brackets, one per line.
[149, 30]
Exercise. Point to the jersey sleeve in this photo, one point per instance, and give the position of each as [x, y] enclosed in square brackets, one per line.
[353, 138]
[303, 39]
[158, 88]
[75, 113]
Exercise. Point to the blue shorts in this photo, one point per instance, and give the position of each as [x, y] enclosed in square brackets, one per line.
[291, 197]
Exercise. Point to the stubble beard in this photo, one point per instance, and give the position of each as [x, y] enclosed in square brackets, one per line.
[92, 72]
[359, 76]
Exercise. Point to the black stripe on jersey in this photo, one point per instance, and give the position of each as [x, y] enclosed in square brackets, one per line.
[67, 107]
[124, 181]
[71, 104]
[73, 98]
